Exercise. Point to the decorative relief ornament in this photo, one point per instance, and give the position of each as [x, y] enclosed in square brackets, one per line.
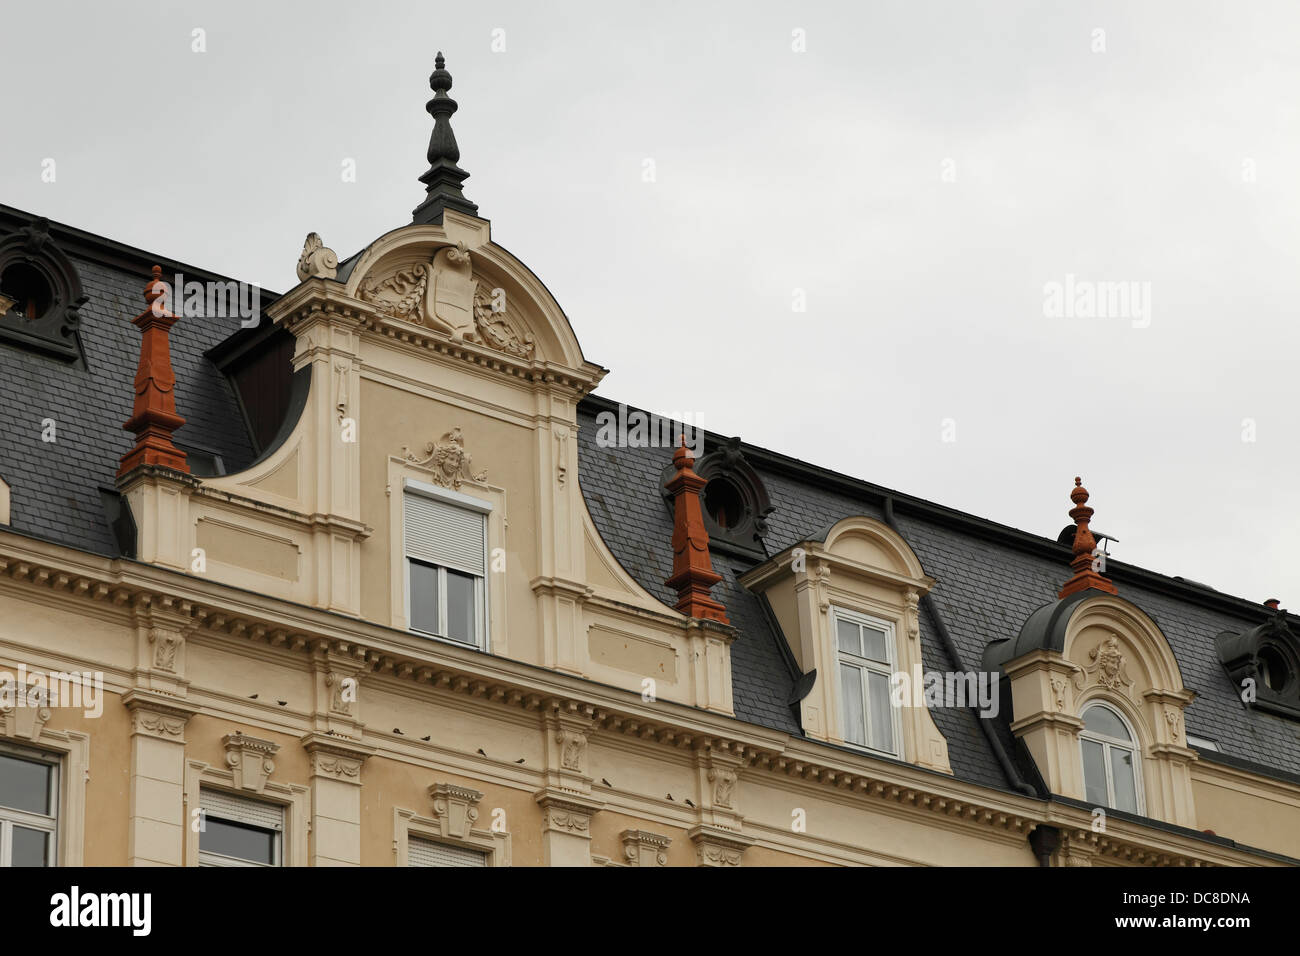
[339, 702]
[165, 643]
[249, 759]
[1058, 692]
[316, 261]
[495, 331]
[453, 289]
[158, 724]
[573, 749]
[448, 459]
[1108, 667]
[713, 854]
[1171, 717]
[724, 787]
[401, 295]
[337, 766]
[913, 616]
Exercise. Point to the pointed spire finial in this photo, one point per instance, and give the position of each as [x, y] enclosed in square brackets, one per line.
[153, 413]
[1085, 576]
[443, 178]
[693, 575]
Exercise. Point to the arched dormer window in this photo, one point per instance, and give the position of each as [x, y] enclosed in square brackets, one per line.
[1112, 764]
[40, 294]
[847, 600]
[1264, 664]
[1095, 689]
[735, 502]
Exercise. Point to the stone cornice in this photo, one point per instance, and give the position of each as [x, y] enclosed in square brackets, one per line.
[316, 300]
[32, 564]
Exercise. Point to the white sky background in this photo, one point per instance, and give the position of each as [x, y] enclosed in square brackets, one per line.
[776, 171]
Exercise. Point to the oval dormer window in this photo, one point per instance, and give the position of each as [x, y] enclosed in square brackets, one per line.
[24, 292]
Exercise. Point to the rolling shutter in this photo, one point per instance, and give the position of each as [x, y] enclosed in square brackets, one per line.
[428, 853]
[443, 534]
[227, 806]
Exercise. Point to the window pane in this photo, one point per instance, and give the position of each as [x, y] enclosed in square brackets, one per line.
[874, 645]
[855, 721]
[1094, 773]
[461, 601]
[849, 636]
[882, 720]
[424, 597]
[31, 847]
[1121, 775]
[1102, 720]
[25, 784]
[237, 840]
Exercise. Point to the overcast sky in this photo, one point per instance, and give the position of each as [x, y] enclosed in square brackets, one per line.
[914, 174]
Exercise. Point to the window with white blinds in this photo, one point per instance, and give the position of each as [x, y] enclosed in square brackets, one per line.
[444, 534]
[236, 831]
[428, 853]
[445, 543]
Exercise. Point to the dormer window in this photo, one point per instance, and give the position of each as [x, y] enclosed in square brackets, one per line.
[446, 564]
[866, 661]
[1111, 765]
[1264, 665]
[24, 292]
[735, 502]
[723, 503]
[40, 294]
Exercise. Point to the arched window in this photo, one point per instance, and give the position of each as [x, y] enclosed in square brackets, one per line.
[1112, 772]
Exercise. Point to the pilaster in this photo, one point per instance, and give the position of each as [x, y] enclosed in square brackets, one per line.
[335, 799]
[157, 827]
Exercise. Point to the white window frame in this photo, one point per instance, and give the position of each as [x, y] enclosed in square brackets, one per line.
[209, 858]
[864, 665]
[1132, 745]
[482, 635]
[46, 823]
[495, 845]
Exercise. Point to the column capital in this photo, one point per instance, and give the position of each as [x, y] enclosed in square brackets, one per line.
[336, 757]
[158, 715]
[717, 847]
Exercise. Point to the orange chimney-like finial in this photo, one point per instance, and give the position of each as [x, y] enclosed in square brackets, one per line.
[153, 414]
[1084, 544]
[693, 573]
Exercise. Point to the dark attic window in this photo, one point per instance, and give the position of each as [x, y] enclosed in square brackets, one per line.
[40, 295]
[724, 503]
[735, 502]
[1264, 664]
[24, 292]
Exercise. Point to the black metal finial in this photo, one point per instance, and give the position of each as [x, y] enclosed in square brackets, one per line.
[443, 178]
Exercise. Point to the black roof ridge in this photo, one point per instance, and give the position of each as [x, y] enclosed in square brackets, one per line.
[110, 252]
[986, 528]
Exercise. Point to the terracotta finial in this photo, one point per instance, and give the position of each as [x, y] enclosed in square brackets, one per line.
[1084, 544]
[693, 573]
[153, 413]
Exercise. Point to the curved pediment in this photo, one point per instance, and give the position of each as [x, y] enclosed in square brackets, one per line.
[453, 282]
[872, 542]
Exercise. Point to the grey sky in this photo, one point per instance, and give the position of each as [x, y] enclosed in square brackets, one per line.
[778, 170]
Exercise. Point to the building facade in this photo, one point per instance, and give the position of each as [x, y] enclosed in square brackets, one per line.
[365, 574]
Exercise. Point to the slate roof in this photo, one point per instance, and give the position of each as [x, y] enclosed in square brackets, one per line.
[990, 577]
[55, 485]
